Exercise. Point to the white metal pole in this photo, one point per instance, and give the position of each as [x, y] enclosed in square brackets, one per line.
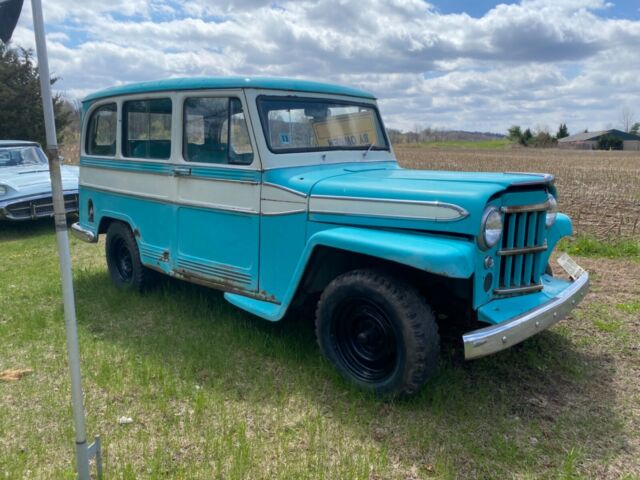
[82, 454]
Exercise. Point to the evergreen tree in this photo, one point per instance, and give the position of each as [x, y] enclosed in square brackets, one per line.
[515, 134]
[635, 130]
[563, 131]
[21, 116]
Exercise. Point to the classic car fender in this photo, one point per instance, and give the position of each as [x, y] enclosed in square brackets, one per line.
[440, 255]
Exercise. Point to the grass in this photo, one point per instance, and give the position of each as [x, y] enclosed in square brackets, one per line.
[590, 246]
[216, 393]
[497, 144]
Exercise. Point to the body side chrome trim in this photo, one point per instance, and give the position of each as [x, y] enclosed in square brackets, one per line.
[498, 337]
[286, 189]
[382, 207]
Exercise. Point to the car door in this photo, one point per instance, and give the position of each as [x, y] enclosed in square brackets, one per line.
[217, 194]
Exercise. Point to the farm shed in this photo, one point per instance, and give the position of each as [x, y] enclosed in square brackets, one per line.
[589, 140]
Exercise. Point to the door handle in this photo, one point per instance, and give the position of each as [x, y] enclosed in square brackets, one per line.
[181, 171]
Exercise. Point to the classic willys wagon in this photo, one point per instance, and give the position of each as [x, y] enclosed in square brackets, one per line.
[281, 192]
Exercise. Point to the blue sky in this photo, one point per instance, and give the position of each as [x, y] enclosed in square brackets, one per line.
[625, 9]
[474, 65]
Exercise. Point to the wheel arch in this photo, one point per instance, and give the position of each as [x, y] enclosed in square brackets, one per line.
[433, 264]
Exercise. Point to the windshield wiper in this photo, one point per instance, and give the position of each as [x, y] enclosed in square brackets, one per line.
[364, 154]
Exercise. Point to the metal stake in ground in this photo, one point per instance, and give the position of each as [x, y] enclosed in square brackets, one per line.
[83, 451]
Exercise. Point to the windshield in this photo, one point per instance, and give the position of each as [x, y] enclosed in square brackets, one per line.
[294, 124]
[22, 156]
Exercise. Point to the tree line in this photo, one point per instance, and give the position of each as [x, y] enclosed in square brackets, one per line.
[21, 116]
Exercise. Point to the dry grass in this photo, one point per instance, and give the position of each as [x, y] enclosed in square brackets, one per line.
[599, 190]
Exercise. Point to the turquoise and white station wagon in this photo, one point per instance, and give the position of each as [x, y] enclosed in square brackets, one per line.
[284, 192]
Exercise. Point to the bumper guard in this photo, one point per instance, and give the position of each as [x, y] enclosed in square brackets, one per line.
[83, 234]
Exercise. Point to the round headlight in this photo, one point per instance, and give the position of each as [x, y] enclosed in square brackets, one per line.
[552, 211]
[491, 228]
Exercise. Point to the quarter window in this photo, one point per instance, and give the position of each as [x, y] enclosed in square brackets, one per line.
[146, 129]
[215, 131]
[101, 132]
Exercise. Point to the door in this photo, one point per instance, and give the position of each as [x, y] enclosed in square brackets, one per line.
[217, 196]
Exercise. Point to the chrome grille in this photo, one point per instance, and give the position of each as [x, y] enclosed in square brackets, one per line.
[520, 254]
[40, 207]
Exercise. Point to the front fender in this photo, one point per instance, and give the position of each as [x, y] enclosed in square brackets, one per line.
[446, 256]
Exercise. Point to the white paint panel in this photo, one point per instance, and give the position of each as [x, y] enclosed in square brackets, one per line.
[272, 192]
[272, 207]
[384, 208]
[158, 187]
[236, 196]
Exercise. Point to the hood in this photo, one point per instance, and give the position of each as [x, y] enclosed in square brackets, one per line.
[34, 179]
[387, 195]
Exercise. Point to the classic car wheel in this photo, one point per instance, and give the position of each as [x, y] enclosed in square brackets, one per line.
[378, 331]
[123, 259]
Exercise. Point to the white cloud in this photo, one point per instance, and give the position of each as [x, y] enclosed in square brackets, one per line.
[537, 62]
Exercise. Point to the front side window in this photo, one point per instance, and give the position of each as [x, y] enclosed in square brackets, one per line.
[146, 129]
[294, 124]
[101, 131]
[215, 131]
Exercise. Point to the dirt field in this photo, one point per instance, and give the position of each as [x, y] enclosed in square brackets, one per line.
[599, 190]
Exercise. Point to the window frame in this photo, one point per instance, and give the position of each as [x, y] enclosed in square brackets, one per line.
[239, 94]
[303, 99]
[124, 124]
[87, 123]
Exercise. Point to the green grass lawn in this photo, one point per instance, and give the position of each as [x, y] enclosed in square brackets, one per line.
[216, 393]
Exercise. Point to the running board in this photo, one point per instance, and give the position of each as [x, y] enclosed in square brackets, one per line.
[267, 310]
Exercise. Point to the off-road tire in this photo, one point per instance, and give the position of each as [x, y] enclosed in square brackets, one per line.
[407, 325]
[123, 260]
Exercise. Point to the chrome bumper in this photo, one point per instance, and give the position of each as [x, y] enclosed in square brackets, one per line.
[504, 335]
[83, 234]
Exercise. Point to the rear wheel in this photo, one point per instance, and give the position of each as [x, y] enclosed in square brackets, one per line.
[123, 259]
[378, 331]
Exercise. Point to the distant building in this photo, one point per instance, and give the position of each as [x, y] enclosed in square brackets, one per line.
[589, 140]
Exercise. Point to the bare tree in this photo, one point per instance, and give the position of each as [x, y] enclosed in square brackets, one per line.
[627, 117]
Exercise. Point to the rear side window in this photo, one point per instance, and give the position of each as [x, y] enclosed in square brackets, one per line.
[101, 132]
[215, 131]
[146, 129]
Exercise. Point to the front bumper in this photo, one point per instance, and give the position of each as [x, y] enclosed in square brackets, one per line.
[486, 341]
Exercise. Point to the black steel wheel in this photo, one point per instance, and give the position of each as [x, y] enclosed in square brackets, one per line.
[378, 331]
[123, 259]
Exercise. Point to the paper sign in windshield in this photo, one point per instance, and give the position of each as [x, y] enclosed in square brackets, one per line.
[346, 130]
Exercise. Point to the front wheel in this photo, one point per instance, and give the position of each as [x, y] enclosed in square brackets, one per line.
[123, 259]
[378, 331]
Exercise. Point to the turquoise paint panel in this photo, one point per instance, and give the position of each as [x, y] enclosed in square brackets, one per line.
[505, 309]
[217, 245]
[127, 165]
[152, 220]
[451, 257]
[166, 168]
[561, 228]
[282, 241]
[206, 83]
